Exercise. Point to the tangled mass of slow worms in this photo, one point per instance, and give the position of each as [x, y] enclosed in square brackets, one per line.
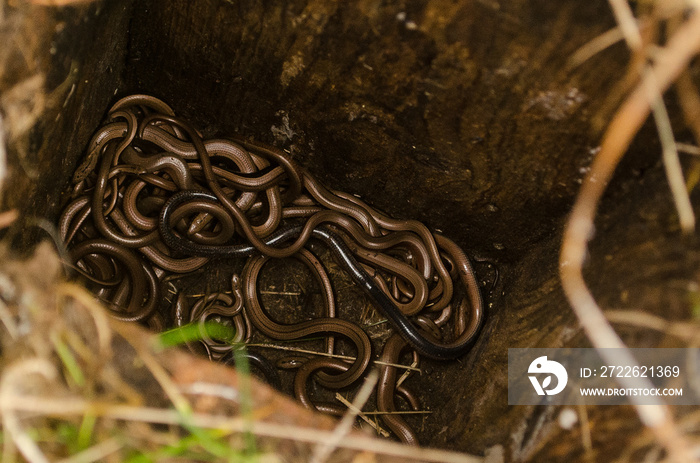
[153, 201]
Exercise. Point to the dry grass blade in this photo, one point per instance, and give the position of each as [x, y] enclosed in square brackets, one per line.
[627, 23]
[681, 47]
[688, 149]
[687, 331]
[407, 373]
[59, 3]
[12, 377]
[586, 439]
[363, 415]
[324, 450]
[595, 46]
[87, 300]
[182, 405]
[3, 156]
[8, 321]
[672, 164]
[77, 406]
[97, 452]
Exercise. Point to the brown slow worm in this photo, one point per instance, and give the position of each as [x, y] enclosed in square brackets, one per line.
[145, 161]
[468, 279]
[300, 330]
[157, 257]
[386, 387]
[144, 284]
[301, 379]
[426, 236]
[98, 211]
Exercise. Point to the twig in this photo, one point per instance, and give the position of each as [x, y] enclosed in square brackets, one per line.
[680, 48]
[325, 449]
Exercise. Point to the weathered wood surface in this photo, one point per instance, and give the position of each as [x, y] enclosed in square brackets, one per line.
[460, 113]
[59, 70]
